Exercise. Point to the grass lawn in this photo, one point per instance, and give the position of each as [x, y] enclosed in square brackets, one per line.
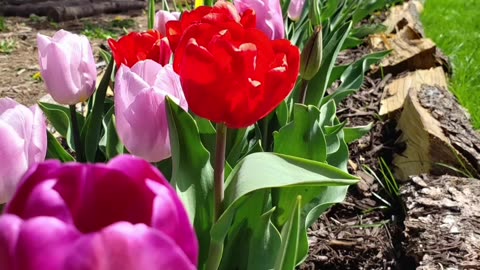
[455, 26]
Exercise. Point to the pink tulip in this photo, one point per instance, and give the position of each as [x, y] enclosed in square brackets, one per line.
[23, 142]
[162, 17]
[67, 66]
[295, 9]
[140, 108]
[269, 16]
[123, 215]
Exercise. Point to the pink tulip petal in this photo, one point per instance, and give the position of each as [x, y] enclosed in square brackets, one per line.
[295, 9]
[147, 70]
[147, 134]
[13, 162]
[161, 18]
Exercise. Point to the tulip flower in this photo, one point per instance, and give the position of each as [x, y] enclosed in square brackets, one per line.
[269, 16]
[138, 46]
[67, 66]
[120, 216]
[162, 17]
[140, 94]
[221, 13]
[233, 74]
[23, 142]
[295, 9]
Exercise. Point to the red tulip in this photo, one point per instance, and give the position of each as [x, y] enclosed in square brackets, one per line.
[231, 73]
[138, 46]
[220, 14]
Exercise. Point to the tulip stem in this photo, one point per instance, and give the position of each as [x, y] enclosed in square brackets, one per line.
[303, 93]
[76, 134]
[219, 172]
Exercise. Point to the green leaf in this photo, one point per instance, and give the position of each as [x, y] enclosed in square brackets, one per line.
[353, 76]
[110, 143]
[366, 30]
[269, 170]
[151, 14]
[266, 241]
[59, 117]
[192, 174]
[318, 85]
[93, 125]
[282, 113]
[265, 170]
[287, 257]
[303, 137]
[251, 231]
[55, 150]
[354, 133]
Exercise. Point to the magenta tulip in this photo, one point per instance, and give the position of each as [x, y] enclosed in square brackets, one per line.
[269, 16]
[162, 17]
[122, 215]
[295, 9]
[67, 66]
[23, 142]
[140, 109]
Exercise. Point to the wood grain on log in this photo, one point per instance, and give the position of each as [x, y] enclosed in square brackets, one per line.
[61, 10]
[402, 15]
[430, 147]
[396, 91]
[409, 51]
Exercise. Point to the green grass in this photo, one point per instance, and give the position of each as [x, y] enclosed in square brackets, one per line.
[454, 25]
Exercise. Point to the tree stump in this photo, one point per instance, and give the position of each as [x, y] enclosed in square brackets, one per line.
[62, 10]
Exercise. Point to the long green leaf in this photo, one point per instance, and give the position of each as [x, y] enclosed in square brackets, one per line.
[93, 125]
[318, 85]
[192, 174]
[287, 257]
[55, 150]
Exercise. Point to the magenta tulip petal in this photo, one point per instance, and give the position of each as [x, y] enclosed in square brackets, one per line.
[67, 66]
[9, 229]
[182, 233]
[140, 93]
[179, 227]
[123, 215]
[97, 204]
[124, 246]
[269, 16]
[44, 243]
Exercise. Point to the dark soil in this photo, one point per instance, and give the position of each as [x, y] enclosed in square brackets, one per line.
[365, 231]
[19, 67]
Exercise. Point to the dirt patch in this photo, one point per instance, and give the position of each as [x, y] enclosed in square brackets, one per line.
[19, 63]
[442, 227]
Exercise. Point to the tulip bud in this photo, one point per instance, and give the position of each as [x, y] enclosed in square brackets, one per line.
[140, 93]
[295, 9]
[314, 14]
[23, 142]
[67, 66]
[311, 57]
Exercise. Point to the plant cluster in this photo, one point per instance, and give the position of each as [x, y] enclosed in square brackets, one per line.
[219, 159]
